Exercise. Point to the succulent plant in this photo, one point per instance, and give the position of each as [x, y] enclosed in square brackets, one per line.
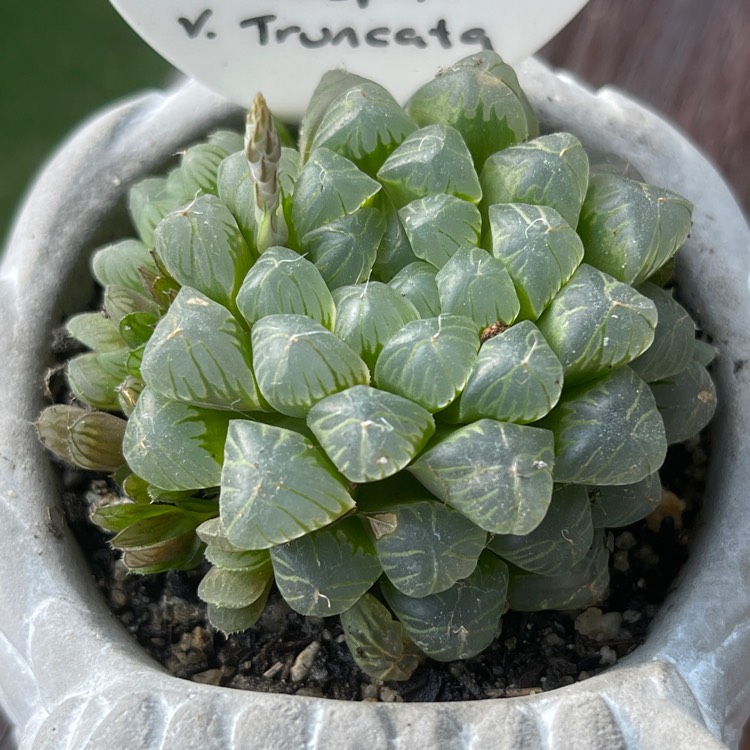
[407, 371]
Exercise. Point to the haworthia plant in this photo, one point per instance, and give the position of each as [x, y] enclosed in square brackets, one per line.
[406, 372]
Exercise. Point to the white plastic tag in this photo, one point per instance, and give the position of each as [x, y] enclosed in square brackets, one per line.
[283, 47]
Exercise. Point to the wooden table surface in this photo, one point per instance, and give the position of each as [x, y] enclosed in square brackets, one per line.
[690, 59]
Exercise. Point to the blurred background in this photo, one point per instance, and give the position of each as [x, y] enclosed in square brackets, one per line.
[688, 58]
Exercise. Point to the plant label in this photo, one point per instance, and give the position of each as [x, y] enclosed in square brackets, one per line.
[282, 47]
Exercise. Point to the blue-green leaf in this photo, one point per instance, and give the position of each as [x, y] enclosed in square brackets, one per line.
[326, 572]
[474, 284]
[370, 434]
[329, 187]
[498, 475]
[394, 252]
[460, 622]
[429, 360]
[517, 378]
[539, 250]
[120, 263]
[235, 589]
[235, 620]
[95, 377]
[440, 224]
[175, 446]
[624, 504]
[631, 229]
[298, 362]
[276, 486]
[416, 282]
[149, 201]
[368, 314]
[596, 324]
[432, 160]
[95, 331]
[200, 354]
[282, 281]
[201, 246]
[424, 546]
[607, 432]
[552, 170]
[560, 540]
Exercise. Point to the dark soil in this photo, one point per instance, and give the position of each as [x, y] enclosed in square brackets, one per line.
[288, 653]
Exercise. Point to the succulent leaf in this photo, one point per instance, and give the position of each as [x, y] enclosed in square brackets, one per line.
[624, 448]
[686, 402]
[379, 644]
[175, 446]
[236, 589]
[282, 281]
[121, 262]
[539, 250]
[325, 572]
[94, 377]
[199, 166]
[276, 486]
[234, 620]
[149, 201]
[552, 171]
[624, 504]
[596, 324]
[395, 251]
[559, 542]
[423, 545]
[416, 283]
[517, 378]
[95, 331]
[368, 314]
[298, 362]
[429, 360]
[497, 474]
[459, 622]
[476, 285]
[433, 160]
[370, 434]
[631, 229]
[438, 225]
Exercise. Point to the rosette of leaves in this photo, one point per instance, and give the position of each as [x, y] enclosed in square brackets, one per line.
[407, 372]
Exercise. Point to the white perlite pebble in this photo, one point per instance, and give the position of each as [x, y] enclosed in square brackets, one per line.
[599, 626]
[304, 661]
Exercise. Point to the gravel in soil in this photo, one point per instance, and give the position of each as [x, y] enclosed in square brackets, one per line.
[288, 653]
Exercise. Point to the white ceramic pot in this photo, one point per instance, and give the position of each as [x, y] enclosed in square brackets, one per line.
[71, 677]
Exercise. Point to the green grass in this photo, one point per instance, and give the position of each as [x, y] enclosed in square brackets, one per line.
[60, 62]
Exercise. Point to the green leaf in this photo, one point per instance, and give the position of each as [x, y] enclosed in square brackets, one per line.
[703, 352]
[607, 432]
[121, 301]
[147, 531]
[121, 263]
[282, 281]
[481, 98]
[631, 229]
[136, 328]
[474, 284]
[624, 504]
[149, 201]
[213, 533]
[460, 622]
[228, 141]
[119, 516]
[686, 402]
[329, 187]
[364, 124]
[379, 644]
[560, 540]
[199, 165]
[368, 314]
[235, 559]
[423, 545]
[370, 434]
[235, 589]
[517, 378]
[175, 446]
[394, 252]
[539, 250]
[438, 225]
[276, 486]
[552, 170]
[596, 324]
[344, 249]
[183, 552]
[325, 572]
[429, 360]
[674, 338]
[498, 475]
[431, 160]
[95, 331]
[581, 586]
[232, 620]
[298, 362]
[199, 354]
[94, 378]
[416, 282]
[201, 246]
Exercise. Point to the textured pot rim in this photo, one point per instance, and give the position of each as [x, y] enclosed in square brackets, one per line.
[78, 680]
